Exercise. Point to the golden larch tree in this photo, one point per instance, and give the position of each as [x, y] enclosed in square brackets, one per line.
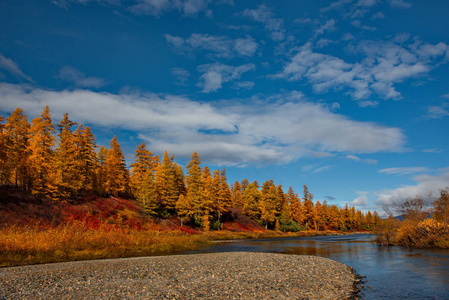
[42, 156]
[116, 177]
[16, 168]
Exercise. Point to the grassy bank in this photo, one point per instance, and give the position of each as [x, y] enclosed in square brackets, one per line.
[36, 245]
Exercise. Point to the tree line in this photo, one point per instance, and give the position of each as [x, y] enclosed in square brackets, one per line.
[62, 162]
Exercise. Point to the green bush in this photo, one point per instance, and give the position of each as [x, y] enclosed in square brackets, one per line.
[290, 226]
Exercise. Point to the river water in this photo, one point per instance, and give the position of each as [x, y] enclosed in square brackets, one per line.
[391, 272]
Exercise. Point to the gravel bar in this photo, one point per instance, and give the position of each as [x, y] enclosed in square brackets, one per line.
[233, 275]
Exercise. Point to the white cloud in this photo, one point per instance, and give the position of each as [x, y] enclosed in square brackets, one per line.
[70, 74]
[264, 15]
[358, 159]
[328, 26]
[278, 129]
[361, 200]
[220, 46]
[214, 75]
[243, 85]
[181, 75]
[189, 8]
[378, 15]
[404, 170]
[425, 185]
[437, 112]
[385, 64]
[10, 66]
[434, 150]
[399, 4]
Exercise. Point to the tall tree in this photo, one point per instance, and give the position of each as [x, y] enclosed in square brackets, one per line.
[142, 178]
[16, 168]
[309, 211]
[194, 182]
[99, 172]
[268, 203]
[3, 174]
[237, 198]
[42, 155]
[296, 209]
[166, 183]
[66, 168]
[116, 177]
[251, 199]
[86, 156]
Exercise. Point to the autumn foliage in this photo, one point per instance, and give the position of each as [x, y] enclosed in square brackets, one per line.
[63, 194]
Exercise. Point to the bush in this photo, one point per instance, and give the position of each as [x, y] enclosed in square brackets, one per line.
[291, 226]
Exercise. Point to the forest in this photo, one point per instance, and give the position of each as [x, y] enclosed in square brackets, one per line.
[61, 162]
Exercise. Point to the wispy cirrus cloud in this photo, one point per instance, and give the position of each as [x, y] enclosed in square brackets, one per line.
[219, 46]
[265, 15]
[404, 170]
[13, 68]
[282, 130]
[189, 8]
[76, 77]
[358, 159]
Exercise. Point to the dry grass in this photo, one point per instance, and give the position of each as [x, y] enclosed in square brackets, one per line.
[76, 241]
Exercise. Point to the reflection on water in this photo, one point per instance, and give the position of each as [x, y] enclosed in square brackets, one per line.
[391, 272]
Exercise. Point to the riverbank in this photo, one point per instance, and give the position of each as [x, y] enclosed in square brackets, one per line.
[238, 275]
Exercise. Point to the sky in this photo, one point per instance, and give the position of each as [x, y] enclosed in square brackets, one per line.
[350, 97]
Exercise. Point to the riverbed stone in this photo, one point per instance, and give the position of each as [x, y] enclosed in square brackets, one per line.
[233, 275]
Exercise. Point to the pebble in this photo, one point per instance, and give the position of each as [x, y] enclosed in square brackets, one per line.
[233, 275]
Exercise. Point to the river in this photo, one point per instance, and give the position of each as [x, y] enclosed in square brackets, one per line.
[391, 272]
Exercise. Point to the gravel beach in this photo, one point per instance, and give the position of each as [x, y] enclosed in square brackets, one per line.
[234, 275]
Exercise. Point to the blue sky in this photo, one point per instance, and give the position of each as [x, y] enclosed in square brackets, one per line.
[350, 97]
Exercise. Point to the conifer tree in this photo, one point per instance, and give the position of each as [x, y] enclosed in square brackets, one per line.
[166, 183]
[208, 192]
[3, 174]
[184, 208]
[194, 183]
[309, 212]
[42, 156]
[296, 209]
[142, 178]
[268, 203]
[116, 177]
[99, 172]
[66, 168]
[251, 199]
[243, 185]
[237, 198]
[16, 168]
[86, 156]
